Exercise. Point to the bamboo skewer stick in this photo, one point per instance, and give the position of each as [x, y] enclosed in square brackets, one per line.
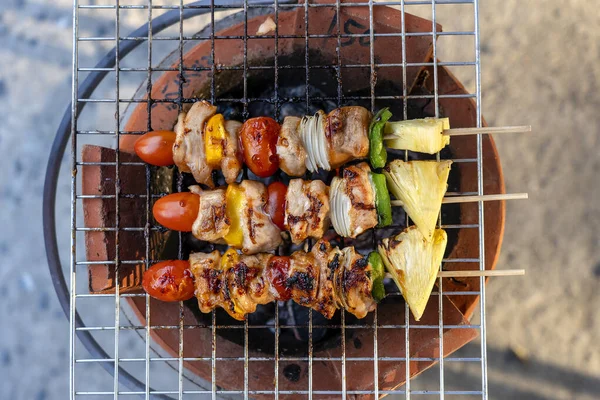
[477, 131]
[476, 273]
[488, 129]
[469, 199]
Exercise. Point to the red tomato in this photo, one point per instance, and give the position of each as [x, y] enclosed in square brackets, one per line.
[169, 281]
[177, 211]
[258, 138]
[156, 147]
[277, 272]
[276, 203]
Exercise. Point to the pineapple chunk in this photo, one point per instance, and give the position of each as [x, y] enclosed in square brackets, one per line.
[421, 186]
[414, 263]
[421, 135]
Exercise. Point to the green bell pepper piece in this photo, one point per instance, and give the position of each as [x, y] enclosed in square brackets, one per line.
[383, 205]
[377, 274]
[377, 151]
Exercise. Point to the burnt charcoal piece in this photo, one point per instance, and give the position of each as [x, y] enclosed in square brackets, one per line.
[292, 372]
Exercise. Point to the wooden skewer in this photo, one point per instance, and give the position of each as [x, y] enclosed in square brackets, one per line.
[488, 129]
[470, 199]
[477, 131]
[476, 273]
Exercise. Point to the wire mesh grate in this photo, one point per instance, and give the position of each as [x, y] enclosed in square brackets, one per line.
[127, 340]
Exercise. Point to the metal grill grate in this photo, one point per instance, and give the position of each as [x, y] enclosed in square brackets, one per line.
[112, 340]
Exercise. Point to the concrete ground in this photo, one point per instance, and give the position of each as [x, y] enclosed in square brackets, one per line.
[540, 67]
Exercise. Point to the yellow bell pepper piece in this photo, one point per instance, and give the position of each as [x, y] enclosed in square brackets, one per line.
[235, 203]
[229, 259]
[214, 137]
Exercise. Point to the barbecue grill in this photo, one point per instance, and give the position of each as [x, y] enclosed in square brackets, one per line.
[321, 54]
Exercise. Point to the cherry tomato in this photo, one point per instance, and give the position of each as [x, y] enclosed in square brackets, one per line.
[156, 147]
[169, 281]
[177, 211]
[258, 138]
[276, 203]
[277, 272]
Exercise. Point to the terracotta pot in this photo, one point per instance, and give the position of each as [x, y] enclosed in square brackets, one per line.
[198, 341]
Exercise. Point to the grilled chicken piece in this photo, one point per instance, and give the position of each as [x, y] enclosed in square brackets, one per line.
[233, 282]
[291, 152]
[260, 233]
[306, 209]
[353, 284]
[303, 279]
[327, 259]
[353, 201]
[188, 149]
[245, 284]
[324, 279]
[253, 275]
[211, 224]
[208, 279]
[231, 163]
[347, 131]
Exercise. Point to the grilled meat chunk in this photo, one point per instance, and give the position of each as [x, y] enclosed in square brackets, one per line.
[291, 152]
[232, 281]
[326, 259]
[347, 131]
[245, 284]
[212, 223]
[251, 271]
[259, 232]
[358, 285]
[353, 285]
[231, 163]
[303, 279]
[307, 209]
[208, 279]
[353, 201]
[324, 279]
[188, 149]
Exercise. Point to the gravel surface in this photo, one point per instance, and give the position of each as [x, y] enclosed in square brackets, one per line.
[540, 67]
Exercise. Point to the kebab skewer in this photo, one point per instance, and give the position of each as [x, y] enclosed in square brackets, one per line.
[325, 279]
[250, 215]
[204, 141]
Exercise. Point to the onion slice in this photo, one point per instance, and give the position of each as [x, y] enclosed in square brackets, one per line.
[312, 134]
[340, 207]
[339, 278]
